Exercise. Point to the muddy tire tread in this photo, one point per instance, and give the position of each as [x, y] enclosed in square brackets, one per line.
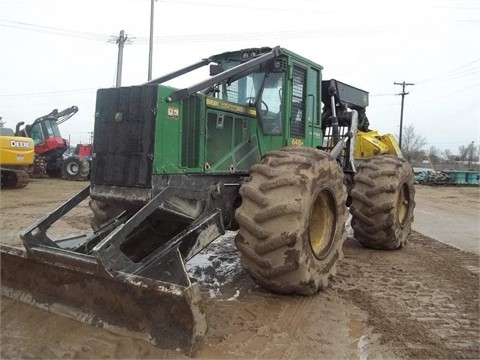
[374, 202]
[276, 258]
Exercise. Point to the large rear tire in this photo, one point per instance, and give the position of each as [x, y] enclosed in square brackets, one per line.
[292, 220]
[383, 202]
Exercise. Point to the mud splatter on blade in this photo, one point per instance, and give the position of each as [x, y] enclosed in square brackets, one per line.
[167, 315]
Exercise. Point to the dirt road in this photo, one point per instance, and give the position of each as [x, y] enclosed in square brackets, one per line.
[421, 302]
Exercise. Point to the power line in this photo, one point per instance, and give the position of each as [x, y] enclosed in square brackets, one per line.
[454, 72]
[215, 37]
[442, 96]
[326, 32]
[49, 93]
[308, 9]
[54, 30]
[433, 99]
[245, 5]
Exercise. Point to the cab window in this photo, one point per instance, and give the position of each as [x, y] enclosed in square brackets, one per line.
[36, 134]
[52, 128]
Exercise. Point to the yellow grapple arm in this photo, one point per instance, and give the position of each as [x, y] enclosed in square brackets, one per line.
[371, 143]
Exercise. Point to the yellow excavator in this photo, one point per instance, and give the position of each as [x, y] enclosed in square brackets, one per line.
[16, 154]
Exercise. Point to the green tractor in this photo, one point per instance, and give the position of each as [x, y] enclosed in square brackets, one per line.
[263, 146]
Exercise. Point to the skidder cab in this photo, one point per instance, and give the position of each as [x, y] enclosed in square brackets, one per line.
[263, 146]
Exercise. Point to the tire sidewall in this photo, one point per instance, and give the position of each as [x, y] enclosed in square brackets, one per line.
[405, 179]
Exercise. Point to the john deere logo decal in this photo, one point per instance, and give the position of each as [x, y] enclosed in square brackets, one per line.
[19, 144]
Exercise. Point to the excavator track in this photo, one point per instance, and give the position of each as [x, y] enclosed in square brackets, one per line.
[13, 178]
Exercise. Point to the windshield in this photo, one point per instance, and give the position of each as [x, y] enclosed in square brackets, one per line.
[36, 134]
[52, 128]
[262, 90]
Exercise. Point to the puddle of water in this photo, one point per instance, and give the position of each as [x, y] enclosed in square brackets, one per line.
[356, 331]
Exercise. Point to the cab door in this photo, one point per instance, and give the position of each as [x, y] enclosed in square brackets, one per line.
[305, 124]
[298, 106]
[313, 111]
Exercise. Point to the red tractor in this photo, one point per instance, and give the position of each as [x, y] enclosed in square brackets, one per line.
[49, 144]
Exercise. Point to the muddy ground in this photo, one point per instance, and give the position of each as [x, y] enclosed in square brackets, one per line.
[421, 302]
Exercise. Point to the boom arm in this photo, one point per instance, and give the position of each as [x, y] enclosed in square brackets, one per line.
[61, 116]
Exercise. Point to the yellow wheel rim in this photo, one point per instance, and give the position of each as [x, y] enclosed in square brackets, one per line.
[403, 204]
[323, 220]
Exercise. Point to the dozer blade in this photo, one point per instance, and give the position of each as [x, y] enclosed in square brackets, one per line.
[165, 314]
[89, 278]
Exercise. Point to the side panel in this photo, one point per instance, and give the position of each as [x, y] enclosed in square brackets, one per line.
[179, 139]
[204, 135]
[231, 144]
[124, 135]
[191, 134]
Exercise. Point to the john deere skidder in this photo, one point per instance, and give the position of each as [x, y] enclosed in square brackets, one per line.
[265, 146]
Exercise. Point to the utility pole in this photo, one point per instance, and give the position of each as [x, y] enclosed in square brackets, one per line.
[403, 93]
[121, 40]
[150, 47]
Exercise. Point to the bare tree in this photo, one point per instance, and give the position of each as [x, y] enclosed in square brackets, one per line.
[462, 153]
[448, 155]
[2, 122]
[433, 155]
[412, 144]
[471, 152]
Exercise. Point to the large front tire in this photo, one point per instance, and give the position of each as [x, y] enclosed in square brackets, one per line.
[102, 213]
[383, 202]
[292, 220]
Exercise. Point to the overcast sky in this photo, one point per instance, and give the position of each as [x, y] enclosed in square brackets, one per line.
[56, 53]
